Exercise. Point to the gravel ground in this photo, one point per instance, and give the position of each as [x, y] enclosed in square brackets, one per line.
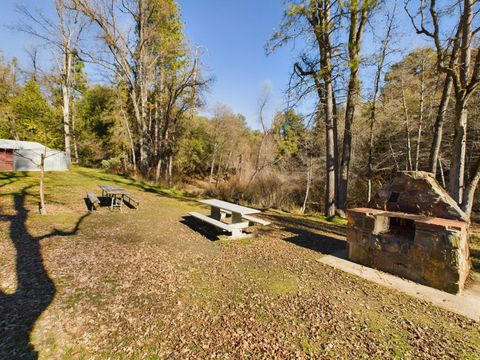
[151, 284]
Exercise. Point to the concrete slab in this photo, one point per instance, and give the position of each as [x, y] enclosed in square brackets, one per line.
[467, 303]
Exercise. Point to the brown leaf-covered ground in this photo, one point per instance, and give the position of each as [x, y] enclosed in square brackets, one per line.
[147, 284]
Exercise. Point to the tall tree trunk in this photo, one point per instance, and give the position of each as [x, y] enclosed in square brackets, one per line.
[170, 170]
[74, 137]
[130, 139]
[143, 86]
[309, 182]
[337, 150]
[43, 209]
[66, 121]
[142, 132]
[438, 126]
[347, 142]
[370, 152]
[330, 152]
[319, 16]
[212, 166]
[219, 167]
[358, 17]
[144, 150]
[156, 119]
[194, 85]
[420, 115]
[457, 160]
[373, 108]
[66, 75]
[442, 176]
[409, 164]
[397, 166]
[463, 89]
[468, 196]
[158, 171]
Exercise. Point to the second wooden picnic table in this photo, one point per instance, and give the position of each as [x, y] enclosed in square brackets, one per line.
[116, 194]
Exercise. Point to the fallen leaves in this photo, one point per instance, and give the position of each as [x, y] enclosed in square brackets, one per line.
[143, 284]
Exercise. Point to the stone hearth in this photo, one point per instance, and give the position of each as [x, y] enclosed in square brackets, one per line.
[413, 229]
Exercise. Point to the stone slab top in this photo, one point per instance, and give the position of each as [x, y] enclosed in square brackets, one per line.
[422, 219]
[460, 225]
[113, 189]
[365, 210]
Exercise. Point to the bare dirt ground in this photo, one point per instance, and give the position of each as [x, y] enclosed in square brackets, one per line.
[152, 283]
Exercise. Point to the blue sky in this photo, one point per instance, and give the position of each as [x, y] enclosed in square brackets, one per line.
[232, 35]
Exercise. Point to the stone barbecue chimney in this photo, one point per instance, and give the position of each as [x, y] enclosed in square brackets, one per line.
[414, 229]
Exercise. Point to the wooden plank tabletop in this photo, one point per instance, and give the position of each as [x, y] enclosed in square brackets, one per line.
[230, 207]
[113, 189]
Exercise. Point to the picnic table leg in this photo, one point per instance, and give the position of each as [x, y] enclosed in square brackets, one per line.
[236, 218]
[215, 213]
[236, 233]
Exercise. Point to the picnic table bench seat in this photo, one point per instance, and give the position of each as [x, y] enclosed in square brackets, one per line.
[132, 200]
[257, 220]
[93, 199]
[216, 223]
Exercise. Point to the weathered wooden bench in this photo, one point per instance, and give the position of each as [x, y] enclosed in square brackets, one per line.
[93, 200]
[132, 201]
[234, 229]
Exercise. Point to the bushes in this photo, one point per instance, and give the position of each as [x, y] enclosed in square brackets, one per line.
[268, 190]
[116, 164]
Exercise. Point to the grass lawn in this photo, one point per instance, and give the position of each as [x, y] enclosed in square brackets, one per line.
[146, 284]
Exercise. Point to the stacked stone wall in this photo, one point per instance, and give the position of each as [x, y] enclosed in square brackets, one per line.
[436, 255]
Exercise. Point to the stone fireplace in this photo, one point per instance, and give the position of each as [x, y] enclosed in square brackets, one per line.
[413, 229]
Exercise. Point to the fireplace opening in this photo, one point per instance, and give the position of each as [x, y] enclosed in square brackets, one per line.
[401, 229]
[393, 197]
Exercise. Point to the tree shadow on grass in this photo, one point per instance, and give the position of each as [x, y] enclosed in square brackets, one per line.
[308, 236]
[35, 289]
[308, 223]
[318, 242]
[9, 177]
[307, 233]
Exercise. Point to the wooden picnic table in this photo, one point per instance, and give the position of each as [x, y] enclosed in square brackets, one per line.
[116, 193]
